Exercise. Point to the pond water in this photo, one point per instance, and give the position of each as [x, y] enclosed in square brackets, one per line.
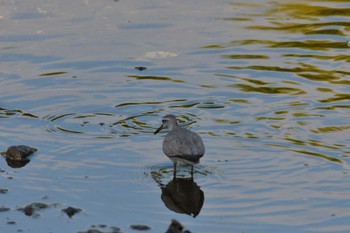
[265, 83]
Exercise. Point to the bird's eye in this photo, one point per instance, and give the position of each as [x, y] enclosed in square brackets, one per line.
[163, 121]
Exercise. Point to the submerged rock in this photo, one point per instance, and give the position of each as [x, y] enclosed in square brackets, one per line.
[3, 190]
[95, 230]
[140, 227]
[140, 68]
[17, 156]
[3, 209]
[19, 152]
[30, 209]
[176, 227]
[70, 211]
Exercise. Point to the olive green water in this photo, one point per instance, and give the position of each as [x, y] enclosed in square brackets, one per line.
[265, 84]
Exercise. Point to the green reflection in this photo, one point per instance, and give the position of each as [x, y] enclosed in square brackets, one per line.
[270, 90]
[304, 114]
[304, 70]
[254, 81]
[54, 118]
[333, 107]
[281, 112]
[326, 31]
[306, 152]
[149, 102]
[245, 56]
[213, 46]
[270, 118]
[68, 130]
[331, 129]
[157, 78]
[306, 28]
[310, 44]
[6, 113]
[329, 158]
[237, 19]
[226, 121]
[53, 73]
[340, 57]
[324, 145]
[242, 101]
[326, 90]
[210, 105]
[30, 115]
[185, 105]
[316, 45]
[295, 141]
[302, 10]
[336, 97]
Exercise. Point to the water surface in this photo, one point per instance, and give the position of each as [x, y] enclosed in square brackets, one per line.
[265, 83]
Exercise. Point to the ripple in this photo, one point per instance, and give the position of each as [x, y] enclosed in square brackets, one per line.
[96, 125]
[8, 113]
[156, 78]
[270, 90]
[161, 174]
[108, 125]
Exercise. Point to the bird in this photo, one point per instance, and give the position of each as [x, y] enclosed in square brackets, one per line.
[182, 146]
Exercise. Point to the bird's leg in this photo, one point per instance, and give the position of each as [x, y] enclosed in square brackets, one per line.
[191, 171]
[174, 169]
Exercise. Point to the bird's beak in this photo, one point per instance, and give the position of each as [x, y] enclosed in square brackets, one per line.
[159, 129]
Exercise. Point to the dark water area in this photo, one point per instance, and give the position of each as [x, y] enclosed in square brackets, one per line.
[264, 83]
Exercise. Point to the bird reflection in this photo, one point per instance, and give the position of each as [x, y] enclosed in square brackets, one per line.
[183, 196]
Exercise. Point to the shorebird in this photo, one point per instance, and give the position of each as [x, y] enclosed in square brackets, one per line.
[181, 145]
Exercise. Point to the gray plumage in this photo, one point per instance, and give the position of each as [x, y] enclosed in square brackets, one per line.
[181, 145]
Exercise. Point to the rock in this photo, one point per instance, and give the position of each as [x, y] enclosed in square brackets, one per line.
[30, 209]
[140, 227]
[3, 209]
[19, 153]
[94, 230]
[176, 227]
[140, 68]
[3, 190]
[70, 211]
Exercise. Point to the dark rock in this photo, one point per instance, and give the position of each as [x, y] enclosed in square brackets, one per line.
[140, 227]
[4, 190]
[70, 211]
[94, 230]
[3, 209]
[19, 152]
[30, 209]
[176, 227]
[91, 231]
[140, 68]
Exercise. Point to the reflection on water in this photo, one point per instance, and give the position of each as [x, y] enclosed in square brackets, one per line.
[181, 195]
[307, 86]
[17, 163]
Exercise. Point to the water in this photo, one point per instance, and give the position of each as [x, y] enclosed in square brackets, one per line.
[265, 84]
